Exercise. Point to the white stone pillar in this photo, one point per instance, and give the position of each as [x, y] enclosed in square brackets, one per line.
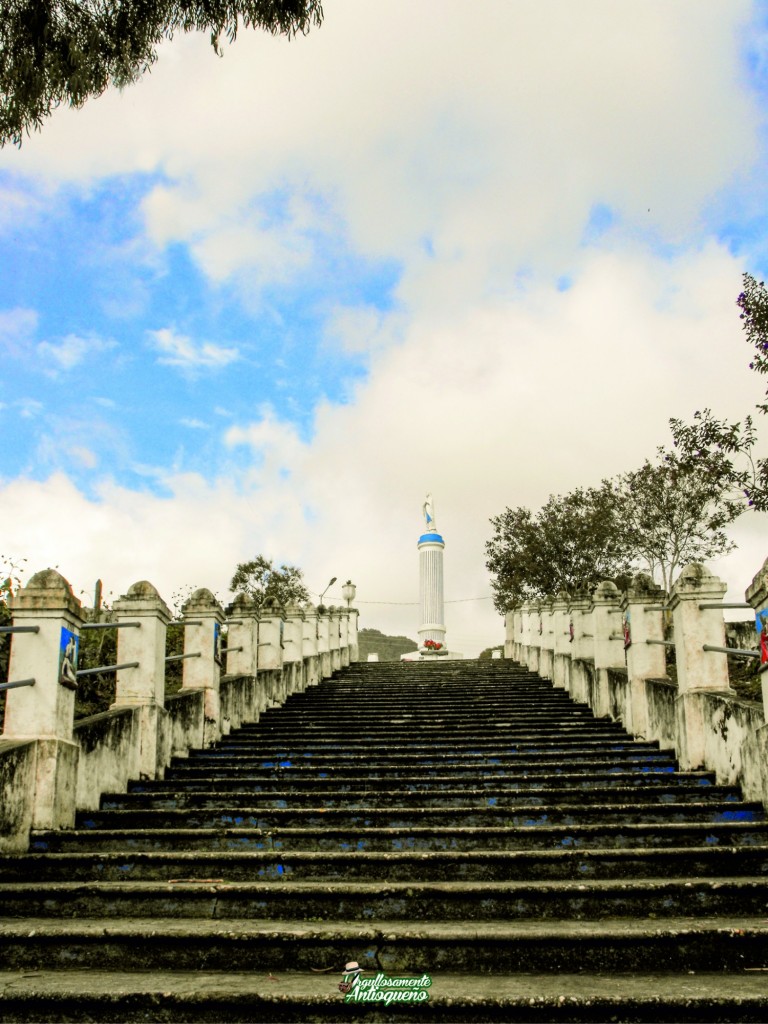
[757, 595]
[643, 620]
[344, 636]
[526, 617]
[293, 641]
[45, 712]
[431, 547]
[242, 638]
[509, 633]
[202, 640]
[561, 652]
[536, 632]
[582, 645]
[547, 649]
[608, 641]
[697, 670]
[324, 642]
[143, 686]
[309, 647]
[334, 630]
[354, 645]
[272, 652]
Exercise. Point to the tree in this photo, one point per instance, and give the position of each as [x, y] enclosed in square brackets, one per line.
[571, 544]
[66, 51]
[672, 516]
[263, 583]
[723, 451]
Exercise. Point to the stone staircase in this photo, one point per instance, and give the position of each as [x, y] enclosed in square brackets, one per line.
[466, 820]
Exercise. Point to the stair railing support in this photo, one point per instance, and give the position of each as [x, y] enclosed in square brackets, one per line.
[293, 641]
[352, 635]
[309, 647]
[243, 638]
[698, 671]
[202, 671]
[536, 630]
[45, 713]
[608, 643]
[335, 639]
[344, 617]
[642, 623]
[547, 640]
[324, 641]
[523, 655]
[561, 652]
[582, 646]
[757, 596]
[143, 686]
[272, 652]
[510, 633]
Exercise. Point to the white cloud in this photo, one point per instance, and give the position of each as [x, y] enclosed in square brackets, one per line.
[70, 351]
[17, 330]
[193, 424]
[180, 351]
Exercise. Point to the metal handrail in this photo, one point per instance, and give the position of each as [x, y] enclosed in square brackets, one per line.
[719, 604]
[181, 657]
[13, 686]
[105, 668]
[662, 643]
[186, 622]
[19, 629]
[232, 650]
[109, 625]
[738, 652]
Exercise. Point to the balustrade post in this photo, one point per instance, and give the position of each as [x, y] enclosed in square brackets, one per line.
[344, 636]
[697, 670]
[334, 639]
[525, 633]
[561, 651]
[547, 649]
[309, 647]
[324, 641]
[243, 638]
[293, 637]
[143, 686]
[581, 644]
[536, 629]
[645, 660]
[757, 595]
[354, 645]
[510, 621]
[202, 670]
[45, 712]
[608, 642]
[272, 652]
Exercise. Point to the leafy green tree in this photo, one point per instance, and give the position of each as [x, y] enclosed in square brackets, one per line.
[571, 544]
[721, 450]
[66, 51]
[263, 583]
[672, 516]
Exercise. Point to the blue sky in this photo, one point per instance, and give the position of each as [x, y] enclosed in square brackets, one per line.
[264, 303]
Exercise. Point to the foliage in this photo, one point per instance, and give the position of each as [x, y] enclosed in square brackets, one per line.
[67, 51]
[721, 450]
[263, 583]
[571, 544]
[672, 516]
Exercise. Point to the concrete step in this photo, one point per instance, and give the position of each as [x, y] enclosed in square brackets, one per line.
[495, 794]
[587, 899]
[256, 816]
[362, 864]
[541, 837]
[246, 946]
[303, 781]
[283, 995]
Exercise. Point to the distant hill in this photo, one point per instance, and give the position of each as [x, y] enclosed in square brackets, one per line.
[388, 648]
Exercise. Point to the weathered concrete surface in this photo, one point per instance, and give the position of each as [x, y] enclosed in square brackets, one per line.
[18, 761]
[314, 996]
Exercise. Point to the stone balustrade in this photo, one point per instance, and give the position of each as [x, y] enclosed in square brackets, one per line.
[52, 766]
[608, 650]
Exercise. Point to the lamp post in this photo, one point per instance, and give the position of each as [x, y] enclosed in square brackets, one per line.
[333, 580]
[348, 592]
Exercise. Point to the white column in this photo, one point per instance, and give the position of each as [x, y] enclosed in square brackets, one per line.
[144, 685]
[431, 547]
[202, 640]
[45, 712]
[643, 621]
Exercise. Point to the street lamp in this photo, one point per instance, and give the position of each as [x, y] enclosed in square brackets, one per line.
[333, 580]
[348, 591]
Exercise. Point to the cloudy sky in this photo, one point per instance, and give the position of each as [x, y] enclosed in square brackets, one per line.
[263, 303]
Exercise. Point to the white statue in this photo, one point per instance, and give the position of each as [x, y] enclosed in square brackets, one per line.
[428, 509]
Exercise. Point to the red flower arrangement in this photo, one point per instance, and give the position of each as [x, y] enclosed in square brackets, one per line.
[432, 645]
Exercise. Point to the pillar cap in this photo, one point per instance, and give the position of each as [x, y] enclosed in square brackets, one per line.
[431, 538]
[47, 590]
